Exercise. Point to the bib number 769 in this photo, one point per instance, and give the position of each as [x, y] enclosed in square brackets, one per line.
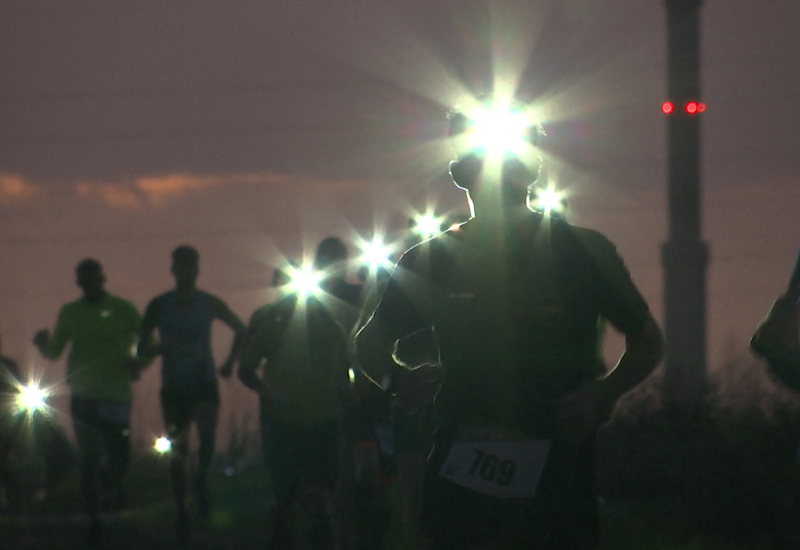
[491, 468]
[497, 468]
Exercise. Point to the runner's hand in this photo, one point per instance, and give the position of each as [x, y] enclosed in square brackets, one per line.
[584, 410]
[42, 338]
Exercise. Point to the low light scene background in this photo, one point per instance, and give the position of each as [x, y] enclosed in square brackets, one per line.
[252, 130]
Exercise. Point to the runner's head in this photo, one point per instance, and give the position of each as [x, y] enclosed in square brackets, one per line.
[331, 259]
[89, 276]
[282, 274]
[496, 145]
[185, 265]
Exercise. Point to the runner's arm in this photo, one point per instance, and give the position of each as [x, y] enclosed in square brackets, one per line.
[585, 409]
[53, 346]
[644, 350]
[251, 359]
[147, 347]
[224, 314]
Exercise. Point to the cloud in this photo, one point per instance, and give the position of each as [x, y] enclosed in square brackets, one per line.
[116, 196]
[160, 190]
[14, 188]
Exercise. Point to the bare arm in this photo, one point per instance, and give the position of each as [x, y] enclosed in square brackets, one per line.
[224, 314]
[643, 352]
[249, 365]
[53, 346]
[252, 357]
[147, 347]
[585, 409]
[249, 377]
[374, 352]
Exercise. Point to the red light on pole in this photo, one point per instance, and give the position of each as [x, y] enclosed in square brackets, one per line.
[694, 107]
[691, 107]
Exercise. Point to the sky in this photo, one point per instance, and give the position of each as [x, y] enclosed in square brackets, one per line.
[253, 129]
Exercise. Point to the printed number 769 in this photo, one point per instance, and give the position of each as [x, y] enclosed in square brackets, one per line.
[491, 468]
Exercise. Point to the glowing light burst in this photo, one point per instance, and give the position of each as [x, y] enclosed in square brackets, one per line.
[305, 281]
[548, 200]
[375, 253]
[498, 129]
[31, 398]
[162, 445]
[427, 225]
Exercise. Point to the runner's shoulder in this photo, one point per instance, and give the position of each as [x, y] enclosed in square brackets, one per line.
[121, 303]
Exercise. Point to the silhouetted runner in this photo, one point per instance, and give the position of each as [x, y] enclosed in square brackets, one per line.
[499, 321]
[189, 393]
[100, 329]
[300, 348]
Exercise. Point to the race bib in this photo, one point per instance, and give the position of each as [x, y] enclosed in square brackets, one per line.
[497, 468]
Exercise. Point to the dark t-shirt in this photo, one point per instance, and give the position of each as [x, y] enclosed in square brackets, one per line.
[305, 348]
[517, 318]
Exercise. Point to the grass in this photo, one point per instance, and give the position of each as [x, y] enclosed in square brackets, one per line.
[726, 479]
[240, 509]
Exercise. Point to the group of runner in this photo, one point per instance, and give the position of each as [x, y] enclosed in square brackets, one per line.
[473, 372]
[110, 343]
[333, 443]
[320, 418]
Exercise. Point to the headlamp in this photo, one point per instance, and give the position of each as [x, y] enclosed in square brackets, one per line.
[31, 398]
[427, 225]
[547, 200]
[374, 254]
[304, 282]
[495, 129]
[162, 445]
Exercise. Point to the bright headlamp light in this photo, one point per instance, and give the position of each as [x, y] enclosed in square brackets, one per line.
[31, 398]
[304, 281]
[495, 129]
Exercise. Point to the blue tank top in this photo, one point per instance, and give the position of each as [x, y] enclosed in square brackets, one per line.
[186, 333]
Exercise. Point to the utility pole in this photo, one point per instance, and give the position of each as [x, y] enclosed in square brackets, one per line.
[685, 255]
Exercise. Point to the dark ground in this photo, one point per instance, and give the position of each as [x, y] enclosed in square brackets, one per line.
[240, 500]
[57, 521]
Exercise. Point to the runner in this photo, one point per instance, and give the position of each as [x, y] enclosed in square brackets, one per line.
[499, 320]
[189, 393]
[300, 349]
[101, 331]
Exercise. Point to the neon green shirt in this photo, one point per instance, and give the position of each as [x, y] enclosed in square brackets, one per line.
[102, 336]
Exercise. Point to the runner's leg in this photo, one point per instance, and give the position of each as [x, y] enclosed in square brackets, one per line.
[205, 413]
[176, 408]
[88, 438]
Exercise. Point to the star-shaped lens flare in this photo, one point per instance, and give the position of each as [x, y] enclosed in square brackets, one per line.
[31, 399]
[548, 200]
[375, 253]
[304, 281]
[427, 225]
[162, 445]
[498, 129]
